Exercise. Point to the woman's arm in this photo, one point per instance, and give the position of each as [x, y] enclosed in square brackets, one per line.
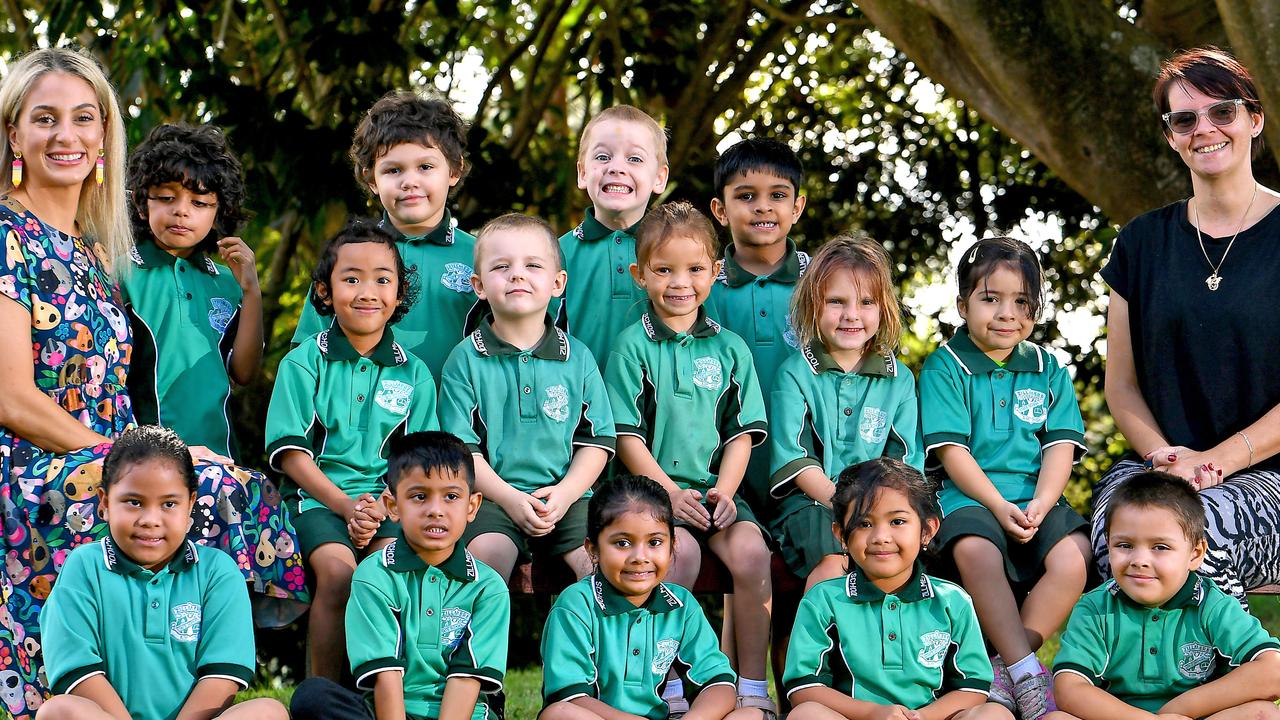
[1124, 397]
[24, 409]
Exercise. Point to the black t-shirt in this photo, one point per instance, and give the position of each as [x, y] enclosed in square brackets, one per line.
[1208, 362]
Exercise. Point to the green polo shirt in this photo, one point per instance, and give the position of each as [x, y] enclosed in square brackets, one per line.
[342, 409]
[830, 419]
[1146, 656]
[758, 309]
[154, 635]
[1005, 415]
[184, 313]
[443, 258]
[525, 411]
[909, 648]
[597, 644]
[600, 299]
[429, 624]
[685, 394]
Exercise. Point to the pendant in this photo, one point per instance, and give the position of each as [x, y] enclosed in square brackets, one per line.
[1213, 281]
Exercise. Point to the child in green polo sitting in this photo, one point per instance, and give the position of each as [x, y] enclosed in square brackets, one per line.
[409, 153]
[146, 624]
[622, 164]
[339, 399]
[197, 325]
[529, 401]
[1160, 639]
[427, 623]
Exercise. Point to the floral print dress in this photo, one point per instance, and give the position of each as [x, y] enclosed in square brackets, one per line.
[80, 345]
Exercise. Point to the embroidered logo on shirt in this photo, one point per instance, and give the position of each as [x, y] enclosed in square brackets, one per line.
[707, 373]
[220, 312]
[457, 277]
[789, 335]
[1196, 662]
[874, 426]
[556, 404]
[663, 655]
[1029, 406]
[453, 624]
[394, 396]
[933, 648]
[185, 623]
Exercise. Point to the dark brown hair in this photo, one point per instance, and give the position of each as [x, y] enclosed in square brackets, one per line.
[662, 222]
[406, 117]
[1214, 72]
[1156, 489]
[979, 261]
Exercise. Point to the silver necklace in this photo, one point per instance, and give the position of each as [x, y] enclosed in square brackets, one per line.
[1214, 279]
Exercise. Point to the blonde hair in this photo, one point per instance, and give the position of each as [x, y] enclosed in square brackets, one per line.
[869, 263]
[663, 222]
[102, 212]
[628, 114]
[522, 223]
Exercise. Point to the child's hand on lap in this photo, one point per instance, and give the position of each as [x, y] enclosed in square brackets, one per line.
[1036, 511]
[528, 514]
[894, 712]
[367, 514]
[686, 505]
[724, 512]
[238, 256]
[200, 452]
[554, 505]
[1014, 522]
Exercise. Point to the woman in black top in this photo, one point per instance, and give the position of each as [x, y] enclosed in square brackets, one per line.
[1193, 350]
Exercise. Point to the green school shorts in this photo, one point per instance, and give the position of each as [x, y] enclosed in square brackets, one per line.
[1023, 562]
[566, 537]
[804, 538]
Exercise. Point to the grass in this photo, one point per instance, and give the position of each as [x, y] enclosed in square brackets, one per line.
[524, 685]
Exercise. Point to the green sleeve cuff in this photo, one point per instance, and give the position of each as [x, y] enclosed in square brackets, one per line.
[804, 681]
[1055, 437]
[70, 679]
[490, 679]
[632, 430]
[1252, 653]
[366, 671]
[783, 481]
[288, 442]
[475, 449]
[1080, 670]
[720, 679]
[604, 442]
[759, 431]
[230, 671]
[566, 693]
[936, 440]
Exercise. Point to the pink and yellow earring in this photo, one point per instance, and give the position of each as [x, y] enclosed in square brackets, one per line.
[16, 169]
[100, 174]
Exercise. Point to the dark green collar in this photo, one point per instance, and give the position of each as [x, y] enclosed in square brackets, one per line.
[117, 562]
[591, 229]
[793, 266]
[400, 556]
[876, 365]
[1026, 357]
[612, 602]
[1191, 594]
[861, 590]
[554, 344]
[335, 346]
[658, 331]
[442, 235]
[145, 253]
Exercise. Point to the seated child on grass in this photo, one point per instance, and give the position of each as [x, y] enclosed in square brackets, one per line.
[887, 641]
[146, 624]
[611, 638]
[1160, 639]
[529, 401]
[427, 623]
[339, 398]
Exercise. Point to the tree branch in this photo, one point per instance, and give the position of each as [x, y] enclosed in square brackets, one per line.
[798, 19]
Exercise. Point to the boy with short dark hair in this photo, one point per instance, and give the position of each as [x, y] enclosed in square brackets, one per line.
[409, 153]
[757, 183]
[1159, 638]
[426, 623]
[529, 401]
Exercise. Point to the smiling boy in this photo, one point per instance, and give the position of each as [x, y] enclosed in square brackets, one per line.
[1160, 638]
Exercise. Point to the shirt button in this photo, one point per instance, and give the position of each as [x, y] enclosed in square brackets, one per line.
[760, 282]
[154, 604]
[188, 296]
[364, 368]
[1000, 375]
[1152, 651]
[182, 268]
[1002, 402]
[848, 411]
[617, 240]
[893, 606]
[764, 313]
[527, 390]
[359, 398]
[893, 636]
[619, 269]
[524, 358]
[432, 579]
[1155, 618]
[635, 651]
[430, 612]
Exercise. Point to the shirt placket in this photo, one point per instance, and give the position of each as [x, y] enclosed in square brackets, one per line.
[639, 636]
[429, 610]
[846, 423]
[683, 358]
[155, 626]
[1001, 396]
[760, 312]
[891, 620]
[361, 384]
[1153, 626]
[527, 383]
[184, 295]
[621, 285]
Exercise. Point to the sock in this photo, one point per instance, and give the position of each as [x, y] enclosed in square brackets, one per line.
[758, 688]
[674, 689]
[1026, 667]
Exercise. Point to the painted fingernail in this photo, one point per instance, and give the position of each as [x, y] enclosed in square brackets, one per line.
[1173, 458]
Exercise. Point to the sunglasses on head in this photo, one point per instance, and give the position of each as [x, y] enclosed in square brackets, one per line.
[1220, 114]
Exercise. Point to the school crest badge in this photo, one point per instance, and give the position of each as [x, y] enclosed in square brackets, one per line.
[663, 655]
[457, 277]
[1196, 662]
[184, 622]
[220, 313]
[394, 396]
[874, 427]
[453, 625]
[707, 373]
[556, 404]
[933, 648]
[1029, 406]
[789, 335]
